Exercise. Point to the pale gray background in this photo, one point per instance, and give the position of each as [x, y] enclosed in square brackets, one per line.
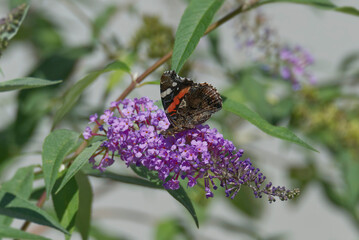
[328, 35]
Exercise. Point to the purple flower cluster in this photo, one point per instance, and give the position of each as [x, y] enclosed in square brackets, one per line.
[200, 153]
[294, 63]
[263, 44]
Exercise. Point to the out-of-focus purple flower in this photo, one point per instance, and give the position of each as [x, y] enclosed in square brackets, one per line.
[134, 134]
[294, 63]
[262, 43]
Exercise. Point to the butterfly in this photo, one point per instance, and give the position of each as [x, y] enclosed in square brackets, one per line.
[187, 103]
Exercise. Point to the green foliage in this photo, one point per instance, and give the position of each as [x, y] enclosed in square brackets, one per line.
[122, 178]
[246, 203]
[102, 19]
[73, 94]
[171, 229]
[24, 83]
[324, 4]
[66, 203]
[20, 185]
[279, 132]
[54, 150]
[9, 232]
[194, 22]
[180, 195]
[155, 34]
[83, 217]
[17, 207]
[78, 163]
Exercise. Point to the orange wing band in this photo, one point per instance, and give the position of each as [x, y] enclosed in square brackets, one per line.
[177, 99]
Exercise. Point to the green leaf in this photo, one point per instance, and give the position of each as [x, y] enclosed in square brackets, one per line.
[278, 132]
[351, 173]
[245, 202]
[56, 147]
[16, 207]
[9, 232]
[24, 83]
[116, 66]
[323, 4]
[73, 94]
[348, 10]
[116, 77]
[214, 41]
[21, 185]
[79, 162]
[83, 217]
[194, 22]
[180, 194]
[102, 19]
[98, 233]
[158, 82]
[171, 229]
[255, 93]
[122, 178]
[66, 203]
[37, 193]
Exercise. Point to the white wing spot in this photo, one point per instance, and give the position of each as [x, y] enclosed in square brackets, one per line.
[165, 93]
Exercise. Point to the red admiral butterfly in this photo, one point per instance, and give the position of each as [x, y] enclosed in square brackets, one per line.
[186, 103]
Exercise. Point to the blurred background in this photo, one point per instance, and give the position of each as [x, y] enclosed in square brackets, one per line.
[316, 96]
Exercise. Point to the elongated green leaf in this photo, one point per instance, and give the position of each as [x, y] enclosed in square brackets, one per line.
[180, 194]
[83, 217]
[74, 93]
[350, 173]
[56, 147]
[72, 96]
[100, 233]
[117, 77]
[122, 178]
[16, 207]
[158, 82]
[102, 19]
[9, 232]
[327, 4]
[323, 4]
[37, 193]
[348, 10]
[116, 66]
[66, 203]
[194, 22]
[23, 83]
[79, 162]
[20, 185]
[278, 132]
